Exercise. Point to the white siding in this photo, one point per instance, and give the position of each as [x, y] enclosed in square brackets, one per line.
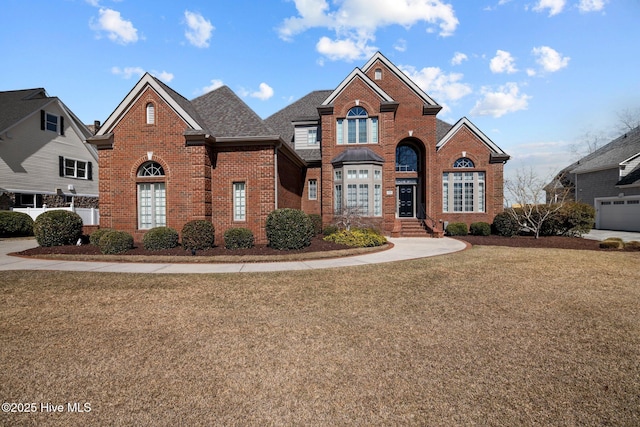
[301, 137]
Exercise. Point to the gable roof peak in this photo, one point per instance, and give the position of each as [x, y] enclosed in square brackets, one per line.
[357, 73]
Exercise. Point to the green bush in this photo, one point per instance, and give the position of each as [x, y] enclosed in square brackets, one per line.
[238, 238]
[633, 245]
[94, 238]
[330, 229]
[576, 219]
[357, 237]
[317, 223]
[480, 229]
[14, 224]
[457, 229]
[113, 242]
[57, 228]
[198, 235]
[160, 238]
[612, 243]
[289, 229]
[505, 225]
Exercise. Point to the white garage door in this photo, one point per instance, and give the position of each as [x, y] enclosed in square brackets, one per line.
[618, 213]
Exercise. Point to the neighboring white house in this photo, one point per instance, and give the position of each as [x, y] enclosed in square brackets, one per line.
[43, 157]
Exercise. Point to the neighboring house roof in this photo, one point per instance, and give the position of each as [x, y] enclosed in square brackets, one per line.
[226, 115]
[16, 105]
[611, 155]
[631, 178]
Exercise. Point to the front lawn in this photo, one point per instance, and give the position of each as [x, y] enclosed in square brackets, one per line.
[488, 336]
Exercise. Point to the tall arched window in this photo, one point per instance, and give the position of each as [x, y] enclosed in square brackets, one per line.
[463, 191]
[357, 128]
[151, 114]
[152, 196]
[406, 159]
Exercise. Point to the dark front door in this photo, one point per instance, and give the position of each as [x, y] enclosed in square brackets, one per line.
[405, 201]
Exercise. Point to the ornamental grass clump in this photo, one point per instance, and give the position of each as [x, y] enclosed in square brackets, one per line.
[198, 235]
[633, 245]
[114, 242]
[15, 224]
[612, 243]
[160, 238]
[57, 228]
[457, 229]
[357, 237]
[238, 238]
[289, 229]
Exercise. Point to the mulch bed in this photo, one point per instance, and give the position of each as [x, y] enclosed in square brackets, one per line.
[317, 245]
[559, 242]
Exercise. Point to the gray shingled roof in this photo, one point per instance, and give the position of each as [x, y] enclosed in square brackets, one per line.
[15, 105]
[357, 155]
[304, 108]
[183, 102]
[224, 114]
[610, 155]
[442, 128]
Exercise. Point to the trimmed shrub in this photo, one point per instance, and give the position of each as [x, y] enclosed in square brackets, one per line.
[94, 238]
[612, 243]
[238, 238]
[317, 223]
[14, 224]
[160, 238]
[505, 225]
[57, 228]
[357, 237]
[289, 229]
[198, 235]
[480, 229]
[113, 242]
[633, 245]
[330, 229]
[457, 229]
[576, 219]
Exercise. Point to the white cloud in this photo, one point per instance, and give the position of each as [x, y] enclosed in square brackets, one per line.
[355, 22]
[503, 62]
[443, 87]
[346, 50]
[215, 84]
[400, 45]
[128, 72]
[458, 57]
[118, 30]
[591, 5]
[265, 92]
[550, 60]
[554, 6]
[507, 99]
[198, 30]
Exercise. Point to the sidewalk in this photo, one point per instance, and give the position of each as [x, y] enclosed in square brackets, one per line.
[627, 236]
[403, 249]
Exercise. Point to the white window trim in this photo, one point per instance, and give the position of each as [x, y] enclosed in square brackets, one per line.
[342, 130]
[151, 113]
[239, 201]
[368, 175]
[478, 187]
[75, 168]
[313, 189]
[155, 222]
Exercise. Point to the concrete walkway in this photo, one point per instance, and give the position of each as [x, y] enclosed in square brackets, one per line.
[403, 249]
[627, 236]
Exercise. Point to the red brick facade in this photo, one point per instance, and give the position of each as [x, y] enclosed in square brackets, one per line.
[200, 170]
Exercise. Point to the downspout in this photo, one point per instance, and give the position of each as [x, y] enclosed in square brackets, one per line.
[275, 174]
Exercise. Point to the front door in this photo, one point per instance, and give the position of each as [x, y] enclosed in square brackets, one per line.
[405, 201]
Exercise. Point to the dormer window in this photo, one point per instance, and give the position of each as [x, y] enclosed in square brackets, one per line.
[151, 114]
[312, 136]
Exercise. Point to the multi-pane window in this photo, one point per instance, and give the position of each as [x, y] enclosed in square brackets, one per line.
[51, 122]
[312, 136]
[463, 162]
[75, 168]
[363, 190]
[463, 192]
[239, 201]
[406, 159]
[152, 197]
[313, 189]
[357, 128]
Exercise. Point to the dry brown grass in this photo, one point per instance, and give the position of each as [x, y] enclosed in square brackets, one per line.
[489, 336]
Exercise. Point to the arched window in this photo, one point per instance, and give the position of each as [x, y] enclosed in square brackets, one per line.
[406, 159]
[152, 196]
[151, 114]
[358, 129]
[378, 74]
[463, 162]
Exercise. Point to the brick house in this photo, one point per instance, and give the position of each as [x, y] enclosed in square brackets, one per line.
[371, 149]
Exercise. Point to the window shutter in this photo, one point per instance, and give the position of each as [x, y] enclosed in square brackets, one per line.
[42, 113]
[61, 125]
[90, 171]
[61, 163]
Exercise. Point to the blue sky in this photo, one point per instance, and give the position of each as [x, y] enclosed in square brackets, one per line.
[536, 76]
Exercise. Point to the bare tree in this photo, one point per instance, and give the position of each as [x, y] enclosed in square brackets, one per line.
[350, 216]
[629, 119]
[530, 207]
